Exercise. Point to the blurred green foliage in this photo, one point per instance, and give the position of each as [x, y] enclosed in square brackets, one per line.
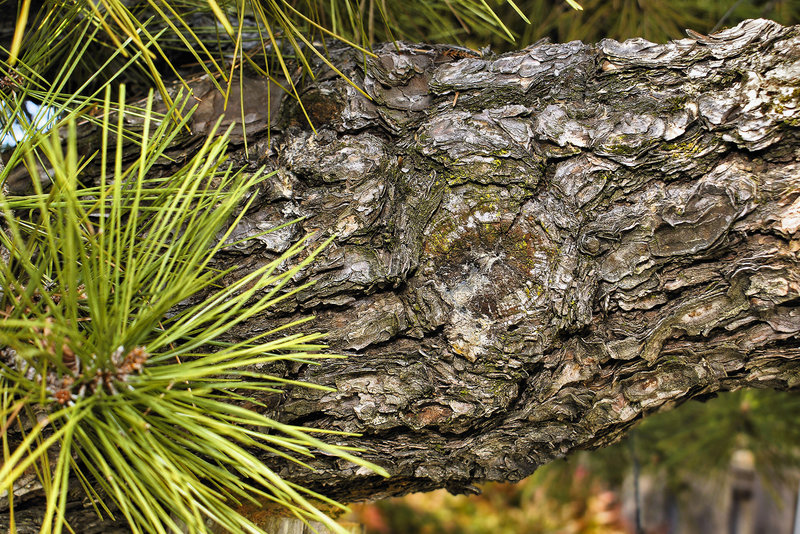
[701, 437]
[654, 20]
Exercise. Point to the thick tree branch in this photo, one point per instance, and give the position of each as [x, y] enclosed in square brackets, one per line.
[533, 250]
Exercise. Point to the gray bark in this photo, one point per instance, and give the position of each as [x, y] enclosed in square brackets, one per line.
[534, 250]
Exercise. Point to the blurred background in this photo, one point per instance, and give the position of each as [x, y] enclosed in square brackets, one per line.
[654, 20]
[730, 465]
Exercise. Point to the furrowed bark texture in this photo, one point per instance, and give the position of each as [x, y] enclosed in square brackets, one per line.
[533, 250]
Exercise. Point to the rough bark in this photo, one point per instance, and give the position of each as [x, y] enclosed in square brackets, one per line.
[533, 250]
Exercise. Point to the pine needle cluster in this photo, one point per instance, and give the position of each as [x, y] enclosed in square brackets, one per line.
[107, 375]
